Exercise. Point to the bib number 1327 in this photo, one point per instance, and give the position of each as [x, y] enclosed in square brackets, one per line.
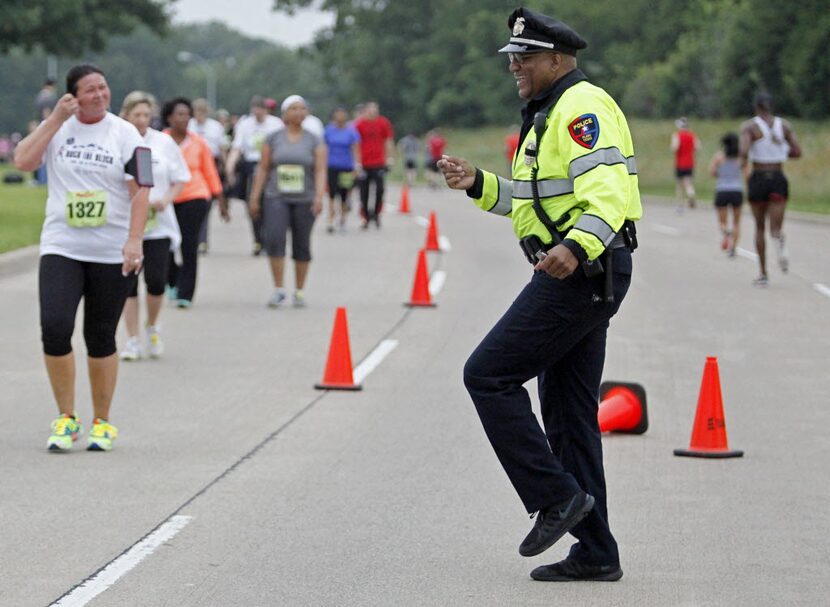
[86, 209]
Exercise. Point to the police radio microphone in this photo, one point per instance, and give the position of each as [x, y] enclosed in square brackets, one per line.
[540, 123]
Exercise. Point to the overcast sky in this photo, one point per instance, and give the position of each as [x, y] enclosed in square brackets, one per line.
[254, 18]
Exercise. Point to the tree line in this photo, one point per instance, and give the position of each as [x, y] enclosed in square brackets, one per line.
[434, 62]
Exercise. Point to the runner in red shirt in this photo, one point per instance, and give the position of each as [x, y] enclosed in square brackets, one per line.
[684, 144]
[377, 144]
[435, 148]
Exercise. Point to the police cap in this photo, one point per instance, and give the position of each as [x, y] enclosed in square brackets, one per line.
[533, 32]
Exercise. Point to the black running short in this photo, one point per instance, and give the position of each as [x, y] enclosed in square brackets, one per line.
[768, 186]
[728, 199]
[679, 173]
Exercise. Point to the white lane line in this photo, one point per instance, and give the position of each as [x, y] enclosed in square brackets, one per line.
[444, 244]
[823, 289]
[375, 357]
[421, 221]
[436, 282]
[122, 565]
[746, 254]
[663, 229]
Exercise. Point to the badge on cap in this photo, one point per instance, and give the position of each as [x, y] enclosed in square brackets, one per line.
[585, 130]
[519, 26]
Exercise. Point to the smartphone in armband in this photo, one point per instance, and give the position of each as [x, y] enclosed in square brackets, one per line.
[140, 167]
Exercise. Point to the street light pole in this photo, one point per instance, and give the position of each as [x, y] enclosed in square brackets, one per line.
[210, 74]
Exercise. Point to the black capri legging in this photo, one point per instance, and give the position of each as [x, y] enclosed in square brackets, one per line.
[156, 260]
[62, 283]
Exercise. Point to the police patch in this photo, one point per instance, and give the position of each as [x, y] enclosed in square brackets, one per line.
[585, 130]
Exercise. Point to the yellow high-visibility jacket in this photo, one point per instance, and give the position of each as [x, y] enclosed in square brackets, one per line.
[586, 169]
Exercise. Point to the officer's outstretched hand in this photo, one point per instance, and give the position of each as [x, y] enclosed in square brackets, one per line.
[458, 173]
[559, 262]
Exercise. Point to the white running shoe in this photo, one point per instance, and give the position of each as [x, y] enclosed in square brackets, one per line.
[783, 256]
[132, 351]
[155, 347]
[299, 299]
[277, 299]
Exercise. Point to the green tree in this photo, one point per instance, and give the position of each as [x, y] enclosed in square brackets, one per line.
[69, 27]
[434, 62]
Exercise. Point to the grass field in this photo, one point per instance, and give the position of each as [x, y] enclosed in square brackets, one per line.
[21, 213]
[22, 206]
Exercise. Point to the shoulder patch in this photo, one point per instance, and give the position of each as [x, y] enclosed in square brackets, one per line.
[584, 130]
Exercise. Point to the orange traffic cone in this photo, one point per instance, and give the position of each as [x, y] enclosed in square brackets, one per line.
[622, 408]
[338, 373]
[404, 206]
[709, 430]
[432, 234]
[420, 297]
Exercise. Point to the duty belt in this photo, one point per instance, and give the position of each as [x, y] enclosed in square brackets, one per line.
[626, 238]
[535, 250]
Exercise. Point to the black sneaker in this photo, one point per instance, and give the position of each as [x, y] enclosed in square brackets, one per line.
[571, 571]
[554, 522]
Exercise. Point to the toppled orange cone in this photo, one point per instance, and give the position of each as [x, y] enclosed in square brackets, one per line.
[622, 408]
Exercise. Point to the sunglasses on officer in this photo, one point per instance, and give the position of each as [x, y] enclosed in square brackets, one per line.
[521, 58]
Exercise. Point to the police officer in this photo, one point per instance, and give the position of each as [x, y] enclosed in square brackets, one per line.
[573, 199]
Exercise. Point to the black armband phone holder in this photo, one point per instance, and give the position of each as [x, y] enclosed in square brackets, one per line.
[140, 166]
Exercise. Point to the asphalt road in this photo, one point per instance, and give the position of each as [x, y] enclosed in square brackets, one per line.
[234, 482]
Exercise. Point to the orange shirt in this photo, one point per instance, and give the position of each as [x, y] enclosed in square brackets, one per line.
[204, 182]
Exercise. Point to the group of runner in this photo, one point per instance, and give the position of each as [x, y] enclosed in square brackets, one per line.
[756, 155]
[125, 197]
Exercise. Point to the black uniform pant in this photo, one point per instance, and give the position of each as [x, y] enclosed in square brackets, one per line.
[555, 331]
[376, 176]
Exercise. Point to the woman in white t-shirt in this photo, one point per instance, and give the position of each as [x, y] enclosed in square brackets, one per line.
[99, 182]
[162, 233]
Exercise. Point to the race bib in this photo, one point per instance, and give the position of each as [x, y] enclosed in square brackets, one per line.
[258, 139]
[152, 220]
[291, 178]
[86, 209]
[345, 180]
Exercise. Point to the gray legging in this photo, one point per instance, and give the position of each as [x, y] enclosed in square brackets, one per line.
[278, 217]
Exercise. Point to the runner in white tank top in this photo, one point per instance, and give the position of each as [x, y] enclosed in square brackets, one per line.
[767, 141]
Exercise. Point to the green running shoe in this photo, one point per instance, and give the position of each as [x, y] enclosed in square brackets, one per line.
[65, 431]
[101, 436]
